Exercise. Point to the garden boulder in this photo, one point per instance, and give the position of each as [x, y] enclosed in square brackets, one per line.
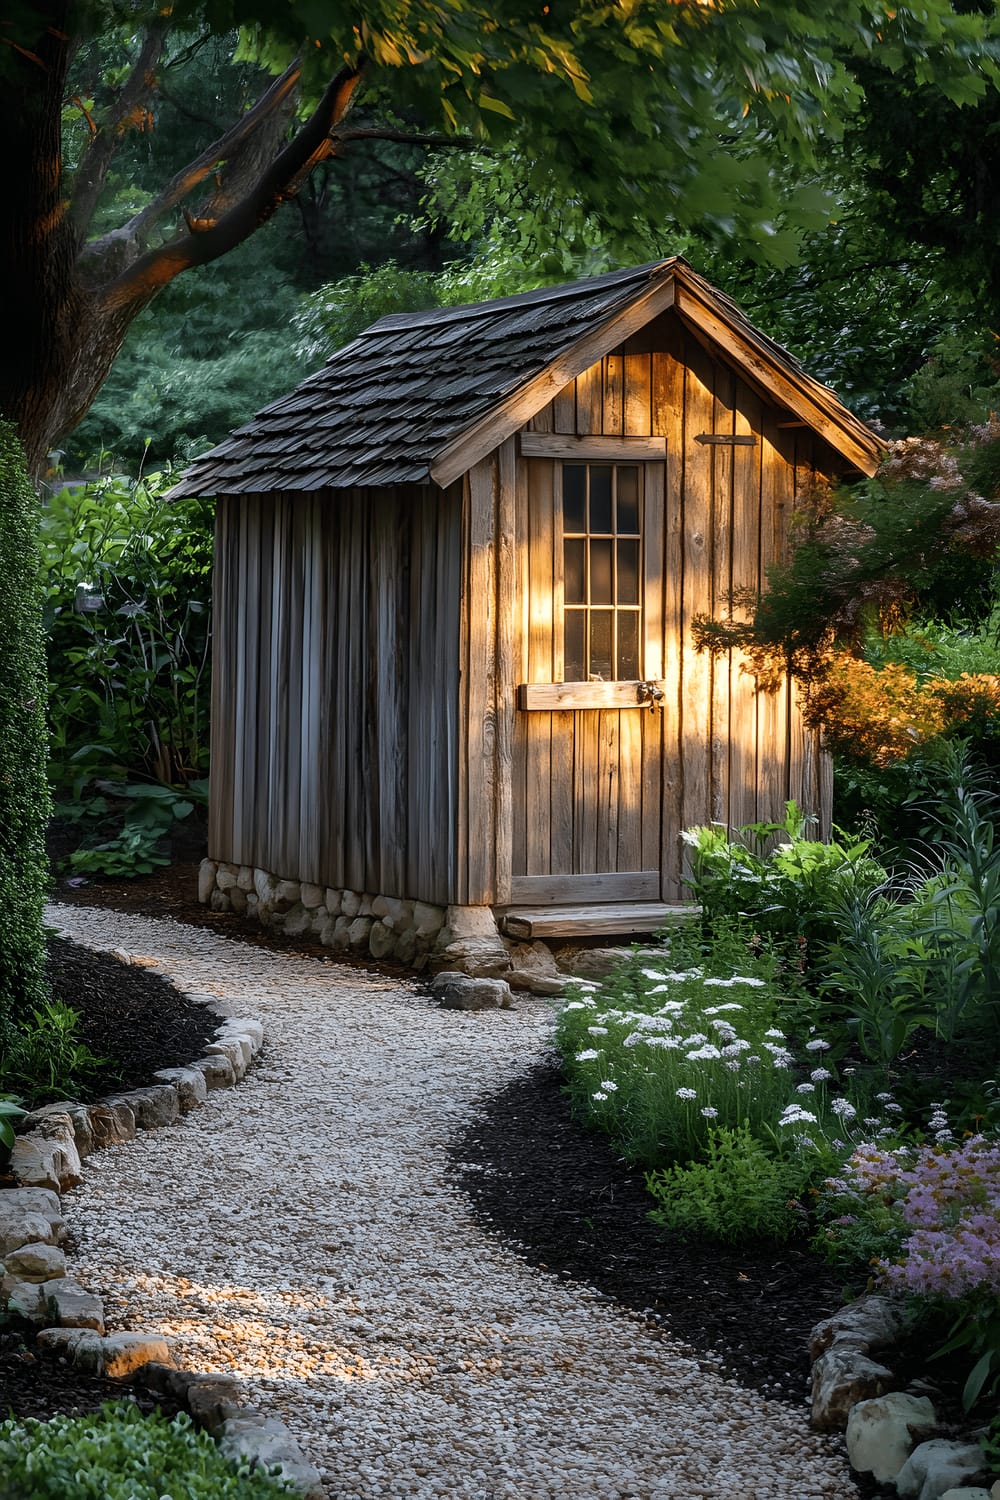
[842, 1377]
[454, 991]
[941, 1465]
[882, 1433]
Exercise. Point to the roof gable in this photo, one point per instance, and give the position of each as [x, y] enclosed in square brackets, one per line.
[422, 396]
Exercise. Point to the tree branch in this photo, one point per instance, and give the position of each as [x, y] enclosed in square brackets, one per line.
[93, 170]
[131, 236]
[279, 182]
[407, 138]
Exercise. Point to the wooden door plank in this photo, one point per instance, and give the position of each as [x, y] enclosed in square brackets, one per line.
[586, 770]
[654, 727]
[772, 707]
[606, 791]
[541, 629]
[631, 734]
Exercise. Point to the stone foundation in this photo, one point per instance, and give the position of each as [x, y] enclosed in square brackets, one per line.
[424, 937]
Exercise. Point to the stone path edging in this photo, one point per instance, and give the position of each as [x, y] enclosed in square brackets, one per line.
[46, 1159]
[305, 1235]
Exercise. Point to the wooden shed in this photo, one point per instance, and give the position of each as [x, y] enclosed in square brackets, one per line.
[455, 572]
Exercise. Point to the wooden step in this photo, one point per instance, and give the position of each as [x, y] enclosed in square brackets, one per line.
[591, 921]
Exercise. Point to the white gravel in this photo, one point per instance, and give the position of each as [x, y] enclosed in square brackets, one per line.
[301, 1232]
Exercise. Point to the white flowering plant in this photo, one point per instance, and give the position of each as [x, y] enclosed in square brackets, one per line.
[659, 1056]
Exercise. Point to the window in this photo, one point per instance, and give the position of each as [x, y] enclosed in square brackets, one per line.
[601, 570]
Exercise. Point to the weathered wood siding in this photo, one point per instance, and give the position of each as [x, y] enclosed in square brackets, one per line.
[730, 754]
[335, 699]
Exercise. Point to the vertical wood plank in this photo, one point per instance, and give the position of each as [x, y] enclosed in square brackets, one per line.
[696, 672]
[519, 854]
[606, 789]
[613, 416]
[560, 726]
[541, 629]
[564, 409]
[638, 410]
[667, 394]
[589, 401]
[723, 422]
[772, 708]
[746, 575]
[653, 728]
[223, 733]
[542, 420]
[462, 822]
[481, 729]
[586, 773]
[505, 684]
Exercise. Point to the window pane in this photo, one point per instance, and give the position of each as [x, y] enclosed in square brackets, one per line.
[600, 573]
[628, 573]
[574, 497]
[600, 645]
[574, 663]
[628, 500]
[575, 571]
[628, 644]
[600, 498]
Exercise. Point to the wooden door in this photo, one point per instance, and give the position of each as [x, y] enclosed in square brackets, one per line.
[588, 749]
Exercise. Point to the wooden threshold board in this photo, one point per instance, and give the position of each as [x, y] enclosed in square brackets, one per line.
[591, 921]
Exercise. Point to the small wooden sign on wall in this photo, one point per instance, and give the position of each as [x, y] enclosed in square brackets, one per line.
[737, 439]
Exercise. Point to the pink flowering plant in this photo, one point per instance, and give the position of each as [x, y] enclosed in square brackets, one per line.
[926, 1222]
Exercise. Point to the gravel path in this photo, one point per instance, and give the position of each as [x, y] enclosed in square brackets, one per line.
[301, 1232]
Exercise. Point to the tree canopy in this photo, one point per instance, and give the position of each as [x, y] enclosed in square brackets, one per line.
[641, 112]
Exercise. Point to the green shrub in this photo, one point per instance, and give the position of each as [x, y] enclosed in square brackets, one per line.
[44, 1058]
[118, 1454]
[24, 798]
[128, 678]
[740, 1191]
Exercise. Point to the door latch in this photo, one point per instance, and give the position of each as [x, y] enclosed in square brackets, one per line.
[650, 694]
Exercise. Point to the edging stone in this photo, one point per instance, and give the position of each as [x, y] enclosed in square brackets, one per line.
[892, 1434]
[35, 1288]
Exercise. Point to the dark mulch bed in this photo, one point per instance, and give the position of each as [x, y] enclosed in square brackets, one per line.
[570, 1205]
[130, 1016]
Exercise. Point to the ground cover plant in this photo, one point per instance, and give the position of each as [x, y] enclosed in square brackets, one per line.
[121, 1454]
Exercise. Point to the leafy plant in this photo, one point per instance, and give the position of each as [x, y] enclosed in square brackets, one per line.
[740, 1191]
[775, 878]
[129, 673]
[875, 976]
[10, 1109]
[119, 1454]
[150, 812]
[44, 1055]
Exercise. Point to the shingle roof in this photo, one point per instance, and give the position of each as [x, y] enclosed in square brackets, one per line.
[385, 408]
